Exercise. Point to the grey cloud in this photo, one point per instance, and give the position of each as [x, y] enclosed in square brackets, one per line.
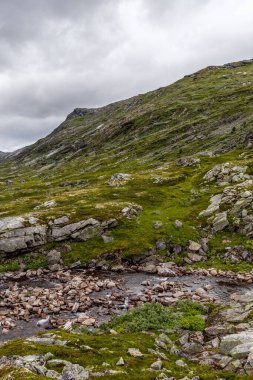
[57, 55]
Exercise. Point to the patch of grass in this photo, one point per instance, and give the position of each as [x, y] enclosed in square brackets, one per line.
[35, 262]
[9, 266]
[9, 373]
[106, 348]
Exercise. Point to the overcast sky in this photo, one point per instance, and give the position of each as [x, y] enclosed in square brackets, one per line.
[60, 54]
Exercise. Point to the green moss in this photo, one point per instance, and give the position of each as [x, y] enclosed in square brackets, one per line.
[9, 373]
[108, 348]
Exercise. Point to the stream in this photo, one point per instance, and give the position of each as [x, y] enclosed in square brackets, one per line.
[136, 288]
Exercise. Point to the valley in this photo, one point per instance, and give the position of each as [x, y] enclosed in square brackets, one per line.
[130, 229]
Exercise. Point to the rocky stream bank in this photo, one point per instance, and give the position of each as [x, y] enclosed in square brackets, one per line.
[86, 299]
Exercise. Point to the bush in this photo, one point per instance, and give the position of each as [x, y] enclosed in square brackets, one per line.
[146, 317]
[193, 322]
[186, 315]
[190, 307]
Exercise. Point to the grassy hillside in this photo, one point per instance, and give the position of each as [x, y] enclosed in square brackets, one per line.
[207, 115]
[182, 156]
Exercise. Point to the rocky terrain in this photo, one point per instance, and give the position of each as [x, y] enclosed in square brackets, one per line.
[126, 238]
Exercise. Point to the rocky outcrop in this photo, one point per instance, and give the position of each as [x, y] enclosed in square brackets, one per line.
[233, 209]
[36, 364]
[119, 179]
[131, 211]
[21, 238]
[196, 251]
[237, 254]
[188, 161]
[19, 234]
[82, 231]
[226, 173]
[228, 340]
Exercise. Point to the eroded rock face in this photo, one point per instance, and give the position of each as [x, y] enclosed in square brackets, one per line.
[15, 239]
[83, 230]
[11, 223]
[19, 234]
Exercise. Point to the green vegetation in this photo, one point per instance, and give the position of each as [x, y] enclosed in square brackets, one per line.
[9, 265]
[208, 115]
[39, 261]
[164, 202]
[142, 136]
[186, 315]
[108, 348]
[7, 373]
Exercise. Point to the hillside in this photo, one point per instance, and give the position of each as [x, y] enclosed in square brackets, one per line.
[158, 187]
[196, 113]
[76, 168]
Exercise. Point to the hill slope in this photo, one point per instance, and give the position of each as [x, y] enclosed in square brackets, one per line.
[196, 113]
[157, 185]
[124, 156]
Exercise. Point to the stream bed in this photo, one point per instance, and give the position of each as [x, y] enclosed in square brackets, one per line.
[131, 289]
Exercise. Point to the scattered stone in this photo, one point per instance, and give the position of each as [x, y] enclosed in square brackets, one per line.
[220, 222]
[177, 224]
[120, 362]
[193, 246]
[61, 220]
[54, 257]
[131, 211]
[47, 204]
[119, 179]
[8, 182]
[74, 372]
[157, 365]
[188, 161]
[135, 352]
[181, 363]
[157, 225]
[107, 239]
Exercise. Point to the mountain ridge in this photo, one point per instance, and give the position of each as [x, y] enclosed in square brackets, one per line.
[122, 113]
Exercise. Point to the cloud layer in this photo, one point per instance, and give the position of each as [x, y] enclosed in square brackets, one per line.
[57, 55]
